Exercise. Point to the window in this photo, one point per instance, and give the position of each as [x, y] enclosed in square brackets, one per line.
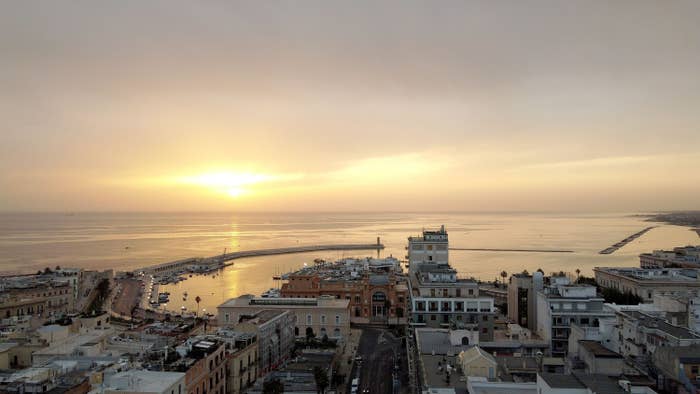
[567, 306]
[227, 318]
[484, 330]
[444, 293]
[323, 319]
[309, 320]
[430, 247]
[432, 292]
[471, 291]
[485, 318]
[459, 292]
[581, 306]
[337, 319]
[433, 317]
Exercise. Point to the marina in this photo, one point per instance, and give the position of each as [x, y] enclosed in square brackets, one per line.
[208, 264]
[612, 249]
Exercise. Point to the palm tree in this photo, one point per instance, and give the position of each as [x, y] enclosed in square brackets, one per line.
[197, 299]
[504, 275]
[578, 273]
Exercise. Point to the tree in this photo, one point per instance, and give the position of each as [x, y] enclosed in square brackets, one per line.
[58, 268]
[273, 386]
[309, 334]
[197, 299]
[578, 273]
[504, 275]
[321, 378]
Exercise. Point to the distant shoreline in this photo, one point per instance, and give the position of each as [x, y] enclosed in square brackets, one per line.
[679, 218]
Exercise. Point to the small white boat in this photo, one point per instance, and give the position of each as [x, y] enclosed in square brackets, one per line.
[271, 293]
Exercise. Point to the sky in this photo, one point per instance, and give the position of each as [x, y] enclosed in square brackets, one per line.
[349, 106]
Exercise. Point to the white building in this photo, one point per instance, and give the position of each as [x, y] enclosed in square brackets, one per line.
[432, 246]
[645, 283]
[562, 304]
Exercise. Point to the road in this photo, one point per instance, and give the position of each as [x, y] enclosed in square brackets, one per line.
[379, 350]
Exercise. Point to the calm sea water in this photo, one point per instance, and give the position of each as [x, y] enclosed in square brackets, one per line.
[125, 241]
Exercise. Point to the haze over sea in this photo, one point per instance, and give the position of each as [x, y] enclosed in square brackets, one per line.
[125, 241]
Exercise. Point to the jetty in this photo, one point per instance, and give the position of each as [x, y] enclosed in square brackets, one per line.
[515, 250]
[214, 262]
[612, 249]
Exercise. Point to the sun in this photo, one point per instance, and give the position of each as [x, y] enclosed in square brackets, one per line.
[229, 183]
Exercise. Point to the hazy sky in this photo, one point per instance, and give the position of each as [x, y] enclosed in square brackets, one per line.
[322, 105]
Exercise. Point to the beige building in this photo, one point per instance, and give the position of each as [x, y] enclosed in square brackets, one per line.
[242, 364]
[522, 298]
[324, 315]
[6, 358]
[646, 283]
[476, 362]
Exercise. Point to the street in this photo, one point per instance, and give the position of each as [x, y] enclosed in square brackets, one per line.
[379, 350]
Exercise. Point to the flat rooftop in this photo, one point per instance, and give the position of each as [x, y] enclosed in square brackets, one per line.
[143, 381]
[678, 275]
[652, 322]
[598, 350]
[287, 303]
[561, 381]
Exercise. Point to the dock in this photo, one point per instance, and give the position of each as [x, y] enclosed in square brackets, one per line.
[222, 259]
[612, 249]
[295, 249]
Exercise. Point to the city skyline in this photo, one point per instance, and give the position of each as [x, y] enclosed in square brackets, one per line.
[176, 106]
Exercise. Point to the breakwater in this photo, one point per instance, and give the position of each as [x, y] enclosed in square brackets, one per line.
[615, 247]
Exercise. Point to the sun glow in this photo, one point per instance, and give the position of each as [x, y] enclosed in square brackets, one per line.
[233, 184]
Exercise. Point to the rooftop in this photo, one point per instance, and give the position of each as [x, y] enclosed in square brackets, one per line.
[437, 341]
[598, 350]
[653, 322]
[143, 381]
[679, 275]
[561, 381]
[287, 303]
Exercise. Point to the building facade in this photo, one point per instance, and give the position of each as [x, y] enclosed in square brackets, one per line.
[274, 329]
[645, 283]
[323, 316]
[522, 298]
[440, 299]
[373, 296]
[430, 247]
[562, 304]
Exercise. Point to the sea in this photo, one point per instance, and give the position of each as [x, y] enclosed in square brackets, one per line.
[126, 241]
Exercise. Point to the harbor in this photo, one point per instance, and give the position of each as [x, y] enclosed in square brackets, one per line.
[207, 264]
[612, 249]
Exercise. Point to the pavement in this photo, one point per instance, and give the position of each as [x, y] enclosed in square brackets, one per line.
[382, 355]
